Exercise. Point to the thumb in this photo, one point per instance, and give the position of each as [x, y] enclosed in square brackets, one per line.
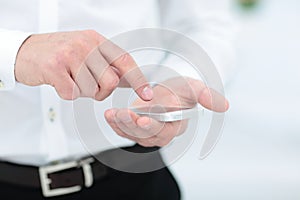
[208, 97]
[213, 100]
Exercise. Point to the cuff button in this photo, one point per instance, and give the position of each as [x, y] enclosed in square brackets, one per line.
[1, 85]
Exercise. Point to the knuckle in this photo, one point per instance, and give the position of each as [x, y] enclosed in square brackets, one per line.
[115, 82]
[66, 93]
[94, 35]
[91, 32]
[66, 96]
[110, 84]
[101, 94]
[80, 48]
[126, 58]
[99, 97]
[59, 80]
[81, 44]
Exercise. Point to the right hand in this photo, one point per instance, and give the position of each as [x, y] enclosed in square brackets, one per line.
[78, 64]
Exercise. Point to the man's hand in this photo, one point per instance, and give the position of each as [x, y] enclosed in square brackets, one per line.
[78, 64]
[176, 92]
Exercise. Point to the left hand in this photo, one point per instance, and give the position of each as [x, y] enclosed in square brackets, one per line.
[181, 92]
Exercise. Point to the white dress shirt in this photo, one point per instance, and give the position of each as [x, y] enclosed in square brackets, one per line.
[36, 126]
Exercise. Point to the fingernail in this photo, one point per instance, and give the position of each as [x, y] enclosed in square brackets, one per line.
[147, 93]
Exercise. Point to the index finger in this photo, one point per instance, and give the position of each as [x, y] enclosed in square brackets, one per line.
[127, 68]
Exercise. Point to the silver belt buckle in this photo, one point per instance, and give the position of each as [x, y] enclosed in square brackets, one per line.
[46, 181]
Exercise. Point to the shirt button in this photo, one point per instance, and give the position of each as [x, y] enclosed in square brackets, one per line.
[1, 85]
[51, 114]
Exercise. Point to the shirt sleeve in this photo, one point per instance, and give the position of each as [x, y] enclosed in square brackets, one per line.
[10, 42]
[208, 23]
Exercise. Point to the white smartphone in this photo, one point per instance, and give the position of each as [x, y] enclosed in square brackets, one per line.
[168, 114]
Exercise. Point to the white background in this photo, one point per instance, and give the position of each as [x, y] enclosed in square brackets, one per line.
[258, 156]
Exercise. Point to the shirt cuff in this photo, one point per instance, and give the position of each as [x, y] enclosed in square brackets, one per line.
[10, 42]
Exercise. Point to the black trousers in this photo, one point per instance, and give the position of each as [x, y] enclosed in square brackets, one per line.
[154, 185]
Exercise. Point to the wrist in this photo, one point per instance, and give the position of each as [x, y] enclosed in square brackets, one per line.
[10, 43]
[20, 58]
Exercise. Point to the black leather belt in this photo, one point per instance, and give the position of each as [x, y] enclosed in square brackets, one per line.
[69, 177]
[54, 180]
